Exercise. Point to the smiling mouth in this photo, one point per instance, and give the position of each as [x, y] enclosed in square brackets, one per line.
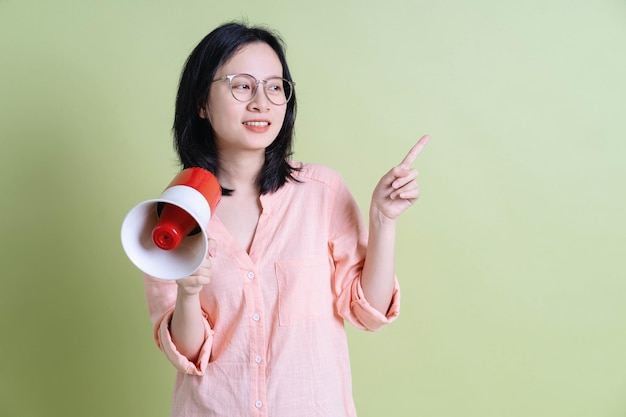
[260, 124]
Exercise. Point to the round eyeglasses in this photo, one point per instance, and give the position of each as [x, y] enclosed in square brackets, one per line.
[244, 88]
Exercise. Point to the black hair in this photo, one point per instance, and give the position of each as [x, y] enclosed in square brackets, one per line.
[194, 139]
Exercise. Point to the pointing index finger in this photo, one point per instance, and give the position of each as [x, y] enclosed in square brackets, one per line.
[414, 152]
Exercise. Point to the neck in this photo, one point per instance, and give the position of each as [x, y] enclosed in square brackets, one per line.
[240, 172]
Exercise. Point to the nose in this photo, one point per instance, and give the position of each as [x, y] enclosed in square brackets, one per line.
[260, 102]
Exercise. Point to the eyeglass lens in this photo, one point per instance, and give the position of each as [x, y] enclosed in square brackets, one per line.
[244, 88]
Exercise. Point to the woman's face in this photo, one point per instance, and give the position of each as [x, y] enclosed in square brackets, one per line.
[250, 126]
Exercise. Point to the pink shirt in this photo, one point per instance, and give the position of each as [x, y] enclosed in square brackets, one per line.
[275, 344]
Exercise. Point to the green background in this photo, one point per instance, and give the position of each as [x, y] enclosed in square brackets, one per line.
[511, 264]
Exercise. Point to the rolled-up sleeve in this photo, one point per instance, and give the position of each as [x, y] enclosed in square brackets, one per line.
[368, 316]
[161, 298]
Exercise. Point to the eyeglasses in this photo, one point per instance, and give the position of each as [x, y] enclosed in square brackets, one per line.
[244, 88]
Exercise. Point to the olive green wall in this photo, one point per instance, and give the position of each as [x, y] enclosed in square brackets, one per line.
[512, 263]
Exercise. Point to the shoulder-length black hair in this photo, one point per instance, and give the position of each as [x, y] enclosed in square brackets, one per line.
[194, 139]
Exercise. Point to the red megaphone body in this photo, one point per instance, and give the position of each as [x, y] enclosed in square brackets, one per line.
[166, 237]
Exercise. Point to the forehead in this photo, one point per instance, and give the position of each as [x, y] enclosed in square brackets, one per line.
[258, 59]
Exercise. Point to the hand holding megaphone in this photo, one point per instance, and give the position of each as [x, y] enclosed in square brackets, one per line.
[166, 237]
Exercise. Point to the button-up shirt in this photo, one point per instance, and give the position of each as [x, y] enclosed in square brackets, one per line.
[274, 338]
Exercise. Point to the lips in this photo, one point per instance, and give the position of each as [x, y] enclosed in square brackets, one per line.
[254, 123]
[257, 126]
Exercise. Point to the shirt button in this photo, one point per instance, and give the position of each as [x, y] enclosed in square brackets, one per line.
[251, 275]
[258, 404]
[258, 359]
[256, 317]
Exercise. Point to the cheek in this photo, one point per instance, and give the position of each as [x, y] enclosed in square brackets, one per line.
[280, 121]
[217, 110]
[220, 117]
[217, 125]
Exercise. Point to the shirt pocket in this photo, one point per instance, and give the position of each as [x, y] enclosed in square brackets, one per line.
[304, 291]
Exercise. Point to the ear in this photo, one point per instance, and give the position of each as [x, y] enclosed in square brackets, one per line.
[202, 110]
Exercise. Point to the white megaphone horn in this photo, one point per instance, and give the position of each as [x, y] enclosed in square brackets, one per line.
[166, 237]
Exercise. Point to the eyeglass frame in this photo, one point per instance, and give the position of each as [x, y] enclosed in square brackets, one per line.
[230, 77]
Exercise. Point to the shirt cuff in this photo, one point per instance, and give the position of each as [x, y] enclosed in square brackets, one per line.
[370, 318]
[181, 362]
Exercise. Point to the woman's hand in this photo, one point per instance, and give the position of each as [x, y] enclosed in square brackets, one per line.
[397, 190]
[187, 325]
[194, 283]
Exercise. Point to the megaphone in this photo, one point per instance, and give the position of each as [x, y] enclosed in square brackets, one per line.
[166, 237]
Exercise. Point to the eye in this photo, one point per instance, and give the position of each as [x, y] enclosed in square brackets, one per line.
[275, 86]
[240, 85]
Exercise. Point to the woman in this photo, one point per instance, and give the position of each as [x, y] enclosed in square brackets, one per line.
[258, 330]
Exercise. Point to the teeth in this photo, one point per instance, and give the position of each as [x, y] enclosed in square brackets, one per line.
[257, 123]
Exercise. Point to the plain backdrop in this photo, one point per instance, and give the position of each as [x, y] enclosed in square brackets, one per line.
[512, 264]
